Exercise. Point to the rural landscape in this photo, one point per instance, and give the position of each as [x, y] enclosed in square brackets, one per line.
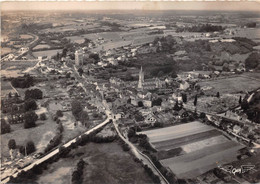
[134, 95]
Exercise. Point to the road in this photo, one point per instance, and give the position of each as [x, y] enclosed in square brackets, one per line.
[54, 152]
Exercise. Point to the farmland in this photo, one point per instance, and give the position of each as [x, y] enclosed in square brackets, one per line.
[48, 53]
[6, 50]
[235, 84]
[103, 161]
[15, 68]
[175, 132]
[184, 147]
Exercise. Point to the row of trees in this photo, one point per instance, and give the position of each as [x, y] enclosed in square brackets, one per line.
[25, 150]
[201, 28]
[78, 172]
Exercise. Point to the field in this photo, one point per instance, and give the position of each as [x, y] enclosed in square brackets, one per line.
[174, 132]
[25, 36]
[5, 50]
[15, 68]
[184, 148]
[186, 166]
[235, 84]
[40, 135]
[17, 65]
[253, 33]
[6, 88]
[41, 46]
[103, 161]
[143, 40]
[48, 53]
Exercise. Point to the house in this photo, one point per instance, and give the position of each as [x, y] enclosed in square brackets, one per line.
[236, 129]
[150, 119]
[147, 103]
[184, 85]
[145, 112]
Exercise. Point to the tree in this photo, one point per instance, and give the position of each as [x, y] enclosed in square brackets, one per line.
[30, 147]
[244, 105]
[33, 93]
[217, 95]
[131, 133]
[67, 75]
[43, 116]
[140, 104]
[157, 102]
[184, 97]
[30, 104]
[59, 113]
[95, 57]
[76, 108]
[195, 100]
[83, 117]
[11, 144]
[240, 100]
[5, 127]
[252, 61]
[75, 176]
[16, 95]
[226, 67]
[202, 115]
[29, 119]
[176, 106]
[80, 70]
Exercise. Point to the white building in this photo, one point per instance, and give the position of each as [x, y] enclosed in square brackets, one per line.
[79, 57]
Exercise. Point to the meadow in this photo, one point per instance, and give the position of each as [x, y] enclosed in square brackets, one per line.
[102, 161]
[235, 84]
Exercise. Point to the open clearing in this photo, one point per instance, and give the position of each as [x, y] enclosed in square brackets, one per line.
[235, 84]
[6, 88]
[184, 148]
[48, 53]
[103, 161]
[40, 135]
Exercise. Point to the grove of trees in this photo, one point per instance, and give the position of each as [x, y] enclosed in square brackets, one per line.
[11, 144]
[5, 127]
[252, 61]
[33, 93]
[23, 82]
[29, 119]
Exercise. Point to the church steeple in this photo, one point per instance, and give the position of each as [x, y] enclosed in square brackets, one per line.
[141, 79]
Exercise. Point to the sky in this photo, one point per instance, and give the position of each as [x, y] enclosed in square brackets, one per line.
[131, 5]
